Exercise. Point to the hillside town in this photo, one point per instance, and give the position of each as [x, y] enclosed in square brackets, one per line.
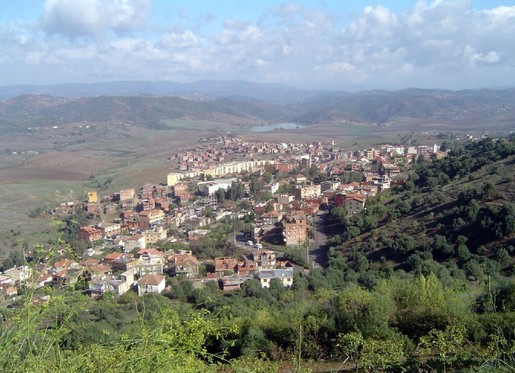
[275, 190]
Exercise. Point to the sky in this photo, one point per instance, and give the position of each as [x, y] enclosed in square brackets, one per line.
[347, 45]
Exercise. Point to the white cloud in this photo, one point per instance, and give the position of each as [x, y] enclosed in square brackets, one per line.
[92, 18]
[442, 43]
[186, 39]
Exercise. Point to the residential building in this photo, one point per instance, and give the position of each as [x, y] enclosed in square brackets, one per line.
[371, 153]
[224, 169]
[183, 264]
[294, 228]
[225, 264]
[284, 275]
[151, 283]
[119, 285]
[150, 261]
[233, 282]
[197, 234]
[150, 217]
[138, 241]
[299, 179]
[127, 195]
[246, 267]
[109, 258]
[90, 233]
[147, 204]
[272, 217]
[125, 264]
[285, 199]
[354, 204]
[264, 259]
[156, 234]
[173, 178]
[306, 191]
[208, 188]
[109, 229]
[271, 188]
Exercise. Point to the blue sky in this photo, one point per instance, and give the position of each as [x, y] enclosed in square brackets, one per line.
[329, 44]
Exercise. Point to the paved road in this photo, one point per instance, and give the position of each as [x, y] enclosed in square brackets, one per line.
[318, 255]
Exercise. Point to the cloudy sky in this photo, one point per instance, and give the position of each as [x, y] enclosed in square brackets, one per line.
[331, 44]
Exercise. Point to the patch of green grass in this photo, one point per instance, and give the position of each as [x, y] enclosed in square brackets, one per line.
[190, 125]
[19, 199]
[355, 130]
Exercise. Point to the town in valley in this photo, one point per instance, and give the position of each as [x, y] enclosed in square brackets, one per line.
[280, 193]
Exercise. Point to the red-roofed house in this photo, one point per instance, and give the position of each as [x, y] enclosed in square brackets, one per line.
[151, 283]
[90, 234]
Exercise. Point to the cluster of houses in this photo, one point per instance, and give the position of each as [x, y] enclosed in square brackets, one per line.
[209, 153]
[146, 271]
[134, 223]
[115, 272]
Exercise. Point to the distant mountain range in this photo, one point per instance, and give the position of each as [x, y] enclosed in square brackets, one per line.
[148, 103]
[201, 90]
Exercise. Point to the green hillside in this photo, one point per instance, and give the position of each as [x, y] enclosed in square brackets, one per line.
[454, 217]
[31, 110]
[455, 110]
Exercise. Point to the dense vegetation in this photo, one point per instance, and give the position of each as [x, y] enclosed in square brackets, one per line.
[421, 281]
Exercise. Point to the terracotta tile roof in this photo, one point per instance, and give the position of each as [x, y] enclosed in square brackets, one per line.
[151, 279]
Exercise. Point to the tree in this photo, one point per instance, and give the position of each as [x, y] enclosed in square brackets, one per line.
[446, 344]
[487, 191]
[267, 177]
[472, 209]
[403, 243]
[220, 195]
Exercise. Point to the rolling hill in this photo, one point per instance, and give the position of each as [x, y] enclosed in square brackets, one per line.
[455, 217]
[245, 103]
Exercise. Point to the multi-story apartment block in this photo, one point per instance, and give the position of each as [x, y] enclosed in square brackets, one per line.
[109, 229]
[150, 261]
[305, 191]
[89, 233]
[150, 217]
[155, 235]
[294, 228]
[236, 167]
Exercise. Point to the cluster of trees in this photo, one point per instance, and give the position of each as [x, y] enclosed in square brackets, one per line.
[461, 161]
[403, 322]
[461, 229]
[234, 193]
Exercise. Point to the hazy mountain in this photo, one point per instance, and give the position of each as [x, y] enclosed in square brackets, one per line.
[238, 103]
[38, 110]
[201, 90]
[384, 106]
